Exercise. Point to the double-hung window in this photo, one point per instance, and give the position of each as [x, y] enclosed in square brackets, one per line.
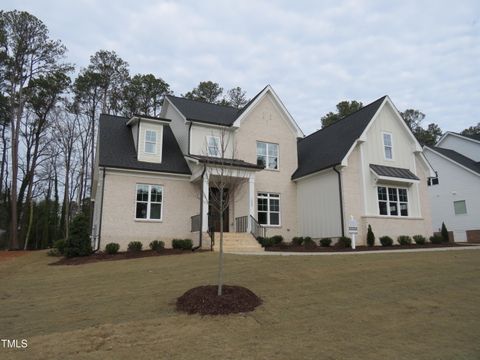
[149, 202]
[388, 146]
[150, 141]
[213, 146]
[268, 209]
[267, 155]
[392, 201]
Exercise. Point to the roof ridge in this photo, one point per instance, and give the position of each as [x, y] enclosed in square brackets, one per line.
[203, 102]
[346, 117]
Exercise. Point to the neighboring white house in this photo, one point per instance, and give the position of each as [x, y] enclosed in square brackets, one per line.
[455, 195]
[155, 177]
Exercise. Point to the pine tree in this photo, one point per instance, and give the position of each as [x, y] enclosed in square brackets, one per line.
[370, 236]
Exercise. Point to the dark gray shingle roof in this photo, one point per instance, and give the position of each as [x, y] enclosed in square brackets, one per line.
[457, 157]
[395, 172]
[205, 112]
[117, 149]
[327, 147]
[209, 113]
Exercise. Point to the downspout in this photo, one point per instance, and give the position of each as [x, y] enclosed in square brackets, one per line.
[200, 238]
[341, 198]
[189, 132]
[101, 212]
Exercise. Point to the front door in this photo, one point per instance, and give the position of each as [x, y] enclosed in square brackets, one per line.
[213, 210]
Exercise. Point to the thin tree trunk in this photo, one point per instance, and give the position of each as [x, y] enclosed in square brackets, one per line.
[4, 158]
[220, 258]
[30, 222]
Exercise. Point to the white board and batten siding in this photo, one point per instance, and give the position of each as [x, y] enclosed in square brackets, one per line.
[178, 125]
[403, 157]
[318, 205]
[466, 147]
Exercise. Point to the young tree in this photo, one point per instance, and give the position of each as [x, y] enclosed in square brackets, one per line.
[228, 182]
[27, 52]
[206, 91]
[344, 108]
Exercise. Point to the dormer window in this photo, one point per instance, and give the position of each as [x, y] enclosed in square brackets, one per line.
[387, 146]
[150, 142]
[213, 146]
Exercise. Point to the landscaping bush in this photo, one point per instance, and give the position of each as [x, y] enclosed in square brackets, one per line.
[297, 240]
[435, 239]
[112, 248]
[444, 233]
[266, 242]
[54, 252]
[419, 239]
[308, 242]
[78, 242]
[276, 239]
[404, 240]
[157, 245]
[135, 246]
[325, 242]
[344, 242]
[183, 244]
[59, 246]
[386, 241]
[370, 236]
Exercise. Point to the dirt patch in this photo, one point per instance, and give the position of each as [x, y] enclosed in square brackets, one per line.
[101, 256]
[204, 300]
[297, 248]
[5, 255]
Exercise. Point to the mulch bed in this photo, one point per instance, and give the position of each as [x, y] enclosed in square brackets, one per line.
[297, 248]
[204, 300]
[126, 255]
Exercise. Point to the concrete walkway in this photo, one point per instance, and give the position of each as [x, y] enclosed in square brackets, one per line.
[286, 253]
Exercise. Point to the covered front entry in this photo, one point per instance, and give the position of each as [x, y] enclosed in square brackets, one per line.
[214, 210]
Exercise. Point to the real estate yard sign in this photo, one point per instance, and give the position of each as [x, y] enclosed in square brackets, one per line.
[353, 230]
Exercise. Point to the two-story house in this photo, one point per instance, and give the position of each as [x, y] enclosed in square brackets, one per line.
[157, 178]
[455, 195]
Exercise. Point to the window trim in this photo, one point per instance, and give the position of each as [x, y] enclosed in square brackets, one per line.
[268, 211]
[145, 141]
[267, 156]
[389, 146]
[217, 139]
[458, 201]
[398, 202]
[149, 202]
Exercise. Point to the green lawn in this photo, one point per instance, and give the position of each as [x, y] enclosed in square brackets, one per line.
[376, 306]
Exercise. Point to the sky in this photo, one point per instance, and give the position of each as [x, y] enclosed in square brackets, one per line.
[424, 54]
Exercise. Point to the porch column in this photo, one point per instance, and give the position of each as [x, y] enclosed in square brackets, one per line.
[251, 201]
[205, 196]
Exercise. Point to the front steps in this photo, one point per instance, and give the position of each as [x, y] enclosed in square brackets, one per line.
[237, 243]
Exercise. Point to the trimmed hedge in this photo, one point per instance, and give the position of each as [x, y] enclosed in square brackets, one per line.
[419, 239]
[325, 242]
[309, 242]
[135, 246]
[444, 233]
[277, 239]
[112, 248]
[183, 244]
[157, 245]
[435, 239]
[386, 241]
[370, 236]
[404, 240]
[344, 242]
[59, 246]
[297, 240]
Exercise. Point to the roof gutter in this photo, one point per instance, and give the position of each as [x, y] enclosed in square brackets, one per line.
[101, 212]
[200, 236]
[341, 198]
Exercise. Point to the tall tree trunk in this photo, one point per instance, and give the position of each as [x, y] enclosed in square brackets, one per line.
[4, 158]
[15, 126]
[29, 227]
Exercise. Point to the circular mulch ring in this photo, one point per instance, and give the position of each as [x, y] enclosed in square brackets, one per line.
[204, 300]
